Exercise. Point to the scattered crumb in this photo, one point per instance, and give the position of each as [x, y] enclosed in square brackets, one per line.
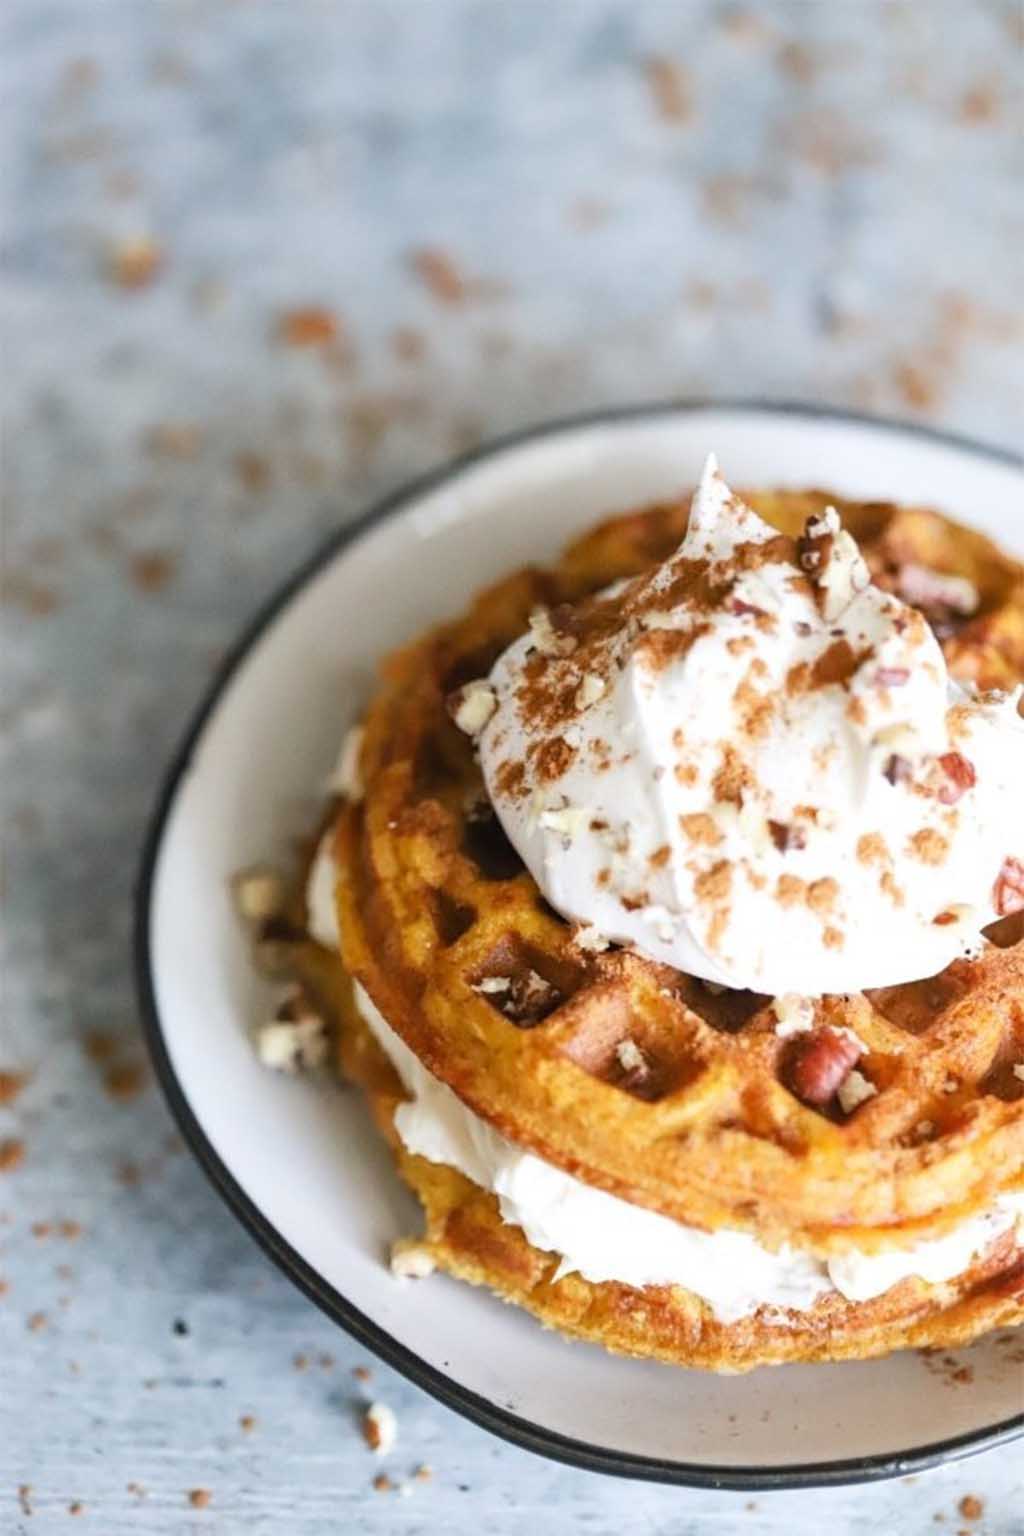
[126, 1081]
[247, 1423]
[136, 1490]
[919, 389]
[971, 1507]
[174, 440]
[325, 1362]
[423, 1473]
[12, 1155]
[180, 1328]
[75, 1507]
[361, 1372]
[40, 1229]
[440, 274]
[136, 262]
[152, 570]
[253, 472]
[25, 1498]
[408, 344]
[300, 1362]
[309, 326]
[380, 1428]
[199, 1498]
[670, 89]
[11, 1084]
[37, 1322]
[98, 1045]
[383, 1483]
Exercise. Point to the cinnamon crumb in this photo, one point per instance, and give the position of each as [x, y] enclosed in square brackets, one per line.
[126, 1081]
[362, 1372]
[731, 778]
[660, 857]
[714, 884]
[12, 1155]
[136, 262]
[11, 1084]
[929, 846]
[553, 758]
[833, 938]
[789, 890]
[686, 774]
[199, 1498]
[669, 88]
[152, 570]
[247, 1423]
[821, 895]
[971, 1507]
[309, 326]
[701, 828]
[510, 779]
[440, 274]
[889, 888]
[872, 849]
[98, 1045]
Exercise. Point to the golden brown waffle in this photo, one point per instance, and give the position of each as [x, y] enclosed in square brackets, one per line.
[434, 901]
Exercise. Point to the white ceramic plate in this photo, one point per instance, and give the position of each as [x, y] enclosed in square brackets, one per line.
[300, 1165]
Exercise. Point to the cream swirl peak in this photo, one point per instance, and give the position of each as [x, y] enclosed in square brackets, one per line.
[752, 764]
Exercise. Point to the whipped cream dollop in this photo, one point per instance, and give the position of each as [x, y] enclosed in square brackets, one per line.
[753, 765]
[603, 1237]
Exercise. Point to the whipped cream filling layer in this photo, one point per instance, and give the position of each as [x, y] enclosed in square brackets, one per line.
[605, 1238]
[752, 765]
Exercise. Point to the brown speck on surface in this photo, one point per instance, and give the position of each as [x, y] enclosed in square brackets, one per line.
[669, 87]
[11, 1084]
[36, 1322]
[423, 1473]
[382, 1483]
[253, 472]
[98, 1045]
[40, 1229]
[918, 387]
[30, 596]
[174, 440]
[135, 263]
[980, 103]
[362, 1372]
[128, 1174]
[199, 1498]
[311, 325]
[152, 570]
[971, 1507]
[589, 213]
[247, 1423]
[125, 1081]
[12, 1154]
[929, 846]
[408, 344]
[440, 274]
[75, 1507]
[25, 1498]
[136, 1490]
[796, 62]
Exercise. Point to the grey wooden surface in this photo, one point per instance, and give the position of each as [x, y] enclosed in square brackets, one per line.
[618, 201]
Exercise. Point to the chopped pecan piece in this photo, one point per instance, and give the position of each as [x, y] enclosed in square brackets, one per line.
[1008, 893]
[959, 777]
[786, 836]
[821, 1064]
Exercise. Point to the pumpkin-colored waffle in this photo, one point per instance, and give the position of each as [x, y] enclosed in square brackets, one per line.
[433, 901]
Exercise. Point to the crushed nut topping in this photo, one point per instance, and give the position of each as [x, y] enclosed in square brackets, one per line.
[855, 1090]
[491, 985]
[1008, 892]
[547, 639]
[831, 558]
[630, 1056]
[296, 1039]
[411, 1260]
[590, 690]
[587, 938]
[346, 777]
[259, 893]
[823, 1061]
[472, 705]
[795, 1014]
[380, 1428]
